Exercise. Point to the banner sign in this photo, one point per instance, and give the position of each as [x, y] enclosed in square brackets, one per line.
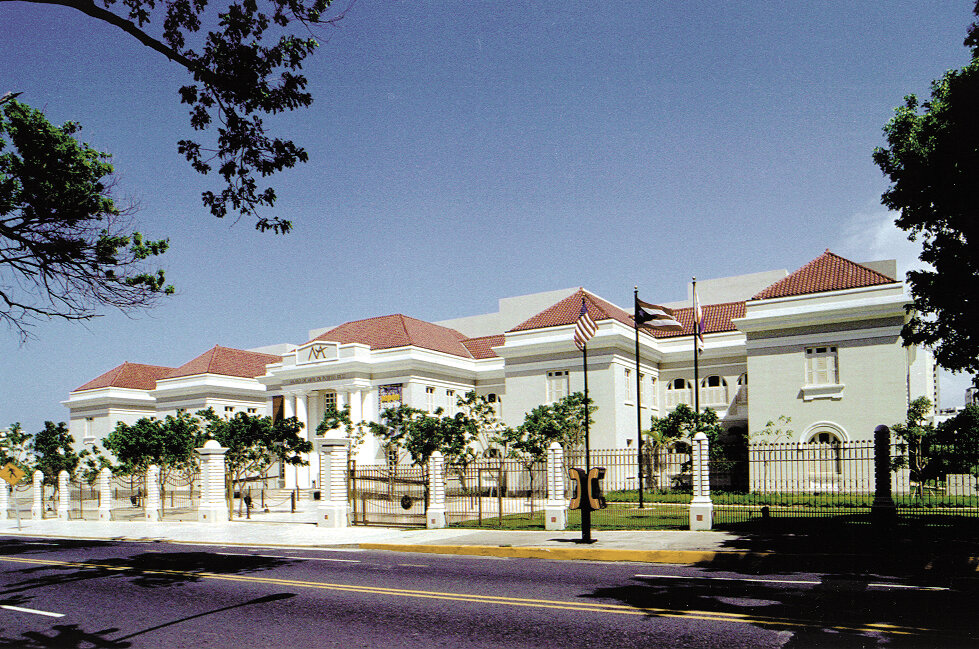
[389, 396]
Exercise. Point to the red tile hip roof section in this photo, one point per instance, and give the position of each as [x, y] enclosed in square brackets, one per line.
[567, 311]
[391, 331]
[828, 272]
[717, 317]
[482, 347]
[226, 361]
[135, 376]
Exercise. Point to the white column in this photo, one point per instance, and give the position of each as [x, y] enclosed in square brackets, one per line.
[332, 509]
[63, 495]
[555, 510]
[304, 474]
[105, 494]
[213, 507]
[356, 400]
[37, 508]
[152, 502]
[435, 514]
[4, 500]
[701, 508]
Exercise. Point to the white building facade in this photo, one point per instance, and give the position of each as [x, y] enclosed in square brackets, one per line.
[820, 345]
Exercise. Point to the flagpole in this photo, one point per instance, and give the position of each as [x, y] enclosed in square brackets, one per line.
[584, 364]
[635, 322]
[696, 355]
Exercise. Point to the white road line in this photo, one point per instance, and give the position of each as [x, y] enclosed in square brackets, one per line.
[788, 581]
[413, 565]
[31, 610]
[282, 556]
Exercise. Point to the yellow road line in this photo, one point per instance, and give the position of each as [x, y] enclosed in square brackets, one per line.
[595, 607]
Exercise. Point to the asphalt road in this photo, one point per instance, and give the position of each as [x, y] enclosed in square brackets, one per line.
[106, 594]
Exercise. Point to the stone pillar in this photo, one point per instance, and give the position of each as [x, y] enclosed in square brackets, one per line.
[435, 514]
[213, 507]
[356, 400]
[37, 508]
[152, 502]
[4, 501]
[883, 510]
[105, 494]
[332, 509]
[701, 507]
[63, 494]
[555, 510]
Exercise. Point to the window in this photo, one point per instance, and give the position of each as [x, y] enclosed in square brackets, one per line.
[491, 397]
[88, 436]
[643, 392]
[678, 391]
[713, 390]
[652, 400]
[229, 408]
[741, 398]
[430, 399]
[557, 385]
[821, 366]
[330, 400]
[252, 411]
[450, 401]
[630, 388]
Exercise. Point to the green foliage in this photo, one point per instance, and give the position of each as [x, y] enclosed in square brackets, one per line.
[244, 67]
[334, 419]
[408, 430]
[15, 446]
[917, 433]
[64, 250]
[53, 451]
[956, 443]
[562, 421]
[774, 432]
[683, 423]
[932, 163]
[255, 444]
[169, 443]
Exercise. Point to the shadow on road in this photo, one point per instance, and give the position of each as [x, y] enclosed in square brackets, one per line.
[834, 612]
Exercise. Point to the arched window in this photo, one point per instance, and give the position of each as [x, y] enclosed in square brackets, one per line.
[823, 455]
[713, 390]
[678, 391]
[741, 398]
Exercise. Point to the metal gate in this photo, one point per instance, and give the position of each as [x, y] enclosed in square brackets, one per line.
[387, 495]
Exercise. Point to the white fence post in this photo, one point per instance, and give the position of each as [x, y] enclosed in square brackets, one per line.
[332, 510]
[37, 508]
[435, 514]
[105, 494]
[555, 510]
[701, 507]
[213, 507]
[63, 495]
[152, 502]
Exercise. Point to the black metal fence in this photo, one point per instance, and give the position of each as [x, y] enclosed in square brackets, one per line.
[387, 495]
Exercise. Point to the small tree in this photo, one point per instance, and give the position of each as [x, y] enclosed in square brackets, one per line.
[169, 443]
[918, 434]
[254, 444]
[956, 442]
[15, 446]
[773, 433]
[53, 451]
[528, 444]
[334, 419]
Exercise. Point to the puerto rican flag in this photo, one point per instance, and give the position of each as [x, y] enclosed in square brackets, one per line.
[699, 326]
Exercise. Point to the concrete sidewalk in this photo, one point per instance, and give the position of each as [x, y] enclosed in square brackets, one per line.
[717, 550]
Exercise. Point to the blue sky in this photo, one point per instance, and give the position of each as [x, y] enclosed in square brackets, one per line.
[461, 152]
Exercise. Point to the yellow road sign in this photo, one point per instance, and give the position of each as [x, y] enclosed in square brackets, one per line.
[12, 473]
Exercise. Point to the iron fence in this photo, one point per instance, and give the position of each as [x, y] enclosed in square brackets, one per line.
[387, 495]
[496, 493]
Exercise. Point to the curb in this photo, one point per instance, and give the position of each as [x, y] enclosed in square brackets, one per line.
[573, 554]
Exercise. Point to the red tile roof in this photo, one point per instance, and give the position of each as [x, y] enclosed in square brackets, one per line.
[567, 311]
[828, 272]
[482, 347]
[226, 361]
[717, 316]
[128, 375]
[390, 331]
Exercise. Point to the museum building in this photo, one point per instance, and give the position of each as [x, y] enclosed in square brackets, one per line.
[821, 345]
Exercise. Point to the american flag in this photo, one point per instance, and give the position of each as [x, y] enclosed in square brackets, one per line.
[584, 327]
[699, 325]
